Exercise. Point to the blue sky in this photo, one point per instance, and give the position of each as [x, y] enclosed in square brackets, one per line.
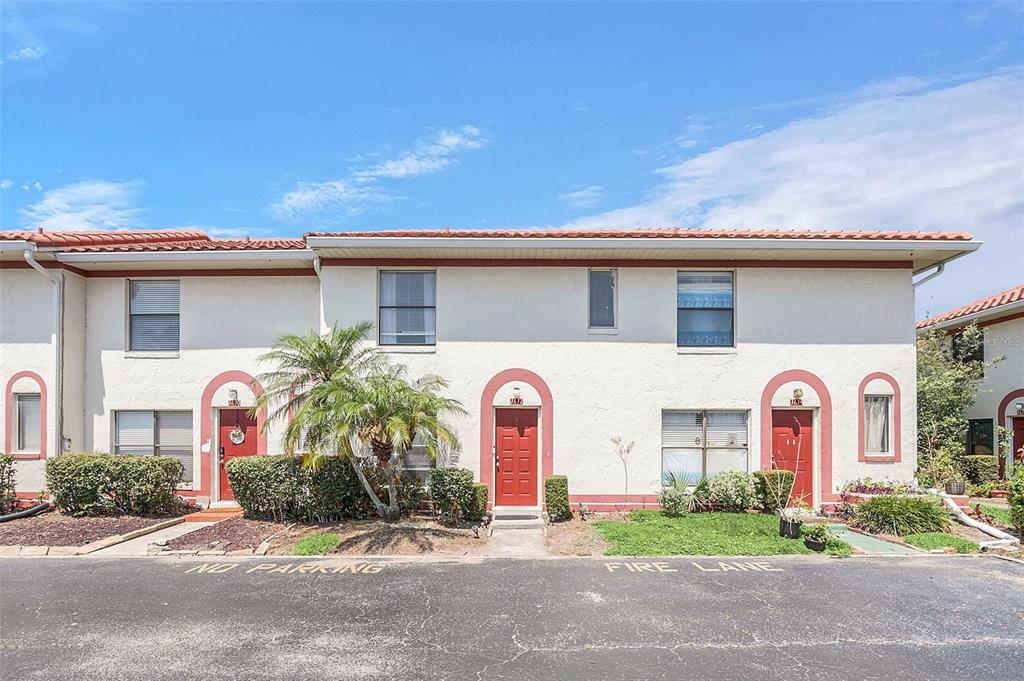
[278, 118]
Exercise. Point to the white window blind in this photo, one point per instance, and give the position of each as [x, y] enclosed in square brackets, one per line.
[408, 312]
[877, 410]
[697, 444]
[164, 433]
[154, 315]
[29, 420]
[704, 309]
[602, 299]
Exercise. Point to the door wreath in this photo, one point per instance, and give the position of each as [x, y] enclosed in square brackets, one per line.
[237, 436]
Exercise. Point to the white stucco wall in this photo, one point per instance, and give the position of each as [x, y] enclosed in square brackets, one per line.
[1004, 340]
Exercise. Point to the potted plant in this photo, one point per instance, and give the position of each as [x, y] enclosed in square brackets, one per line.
[791, 520]
[817, 536]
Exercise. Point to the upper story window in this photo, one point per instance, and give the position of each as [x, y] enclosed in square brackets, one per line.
[408, 313]
[28, 420]
[602, 299]
[877, 424]
[704, 309]
[153, 315]
[161, 433]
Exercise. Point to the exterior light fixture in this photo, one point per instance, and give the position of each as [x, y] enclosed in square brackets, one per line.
[798, 397]
[517, 397]
[233, 398]
[1020, 407]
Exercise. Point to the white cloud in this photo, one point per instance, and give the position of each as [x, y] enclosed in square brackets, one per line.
[38, 186]
[585, 197]
[27, 53]
[90, 204]
[360, 190]
[948, 158]
[6, 184]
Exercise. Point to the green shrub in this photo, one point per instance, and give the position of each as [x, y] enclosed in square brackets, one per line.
[732, 491]
[93, 484]
[980, 469]
[1016, 499]
[673, 502]
[773, 488]
[451, 493]
[479, 507]
[280, 487]
[316, 544]
[8, 499]
[556, 496]
[683, 496]
[901, 515]
[941, 540]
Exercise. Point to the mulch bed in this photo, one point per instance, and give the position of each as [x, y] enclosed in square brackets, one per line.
[56, 529]
[232, 534]
[411, 536]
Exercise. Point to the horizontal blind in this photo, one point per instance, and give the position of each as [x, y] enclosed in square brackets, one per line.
[174, 438]
[134, 432]
[29, 420]
[681, 429]
[414, 289]
[727, 429]
[155, 297]
[704, 289]
[154, 322]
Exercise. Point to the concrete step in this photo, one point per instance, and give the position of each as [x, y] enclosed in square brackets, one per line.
[516, 521]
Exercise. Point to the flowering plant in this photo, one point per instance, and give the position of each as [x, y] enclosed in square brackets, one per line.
[887, 486]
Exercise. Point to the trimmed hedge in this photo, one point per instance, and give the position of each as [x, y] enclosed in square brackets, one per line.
[8, 499]
[556, 497]
[280, 487]
[900, 515]
[772, 487]
[97, 484]
[479, 509]
[732, 491]
[453, 495]
[1016, 499]
[981, 468]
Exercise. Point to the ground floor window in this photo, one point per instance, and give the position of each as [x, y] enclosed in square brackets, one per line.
[416, 463]
[28, 421]
[163, 433]
[877, 424]
[698, 444]
[980, 436]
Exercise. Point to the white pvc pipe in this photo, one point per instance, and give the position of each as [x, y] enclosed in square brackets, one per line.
[1004, 539]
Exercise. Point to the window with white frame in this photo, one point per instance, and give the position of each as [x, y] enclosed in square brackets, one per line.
[408, 312]
[704, 309]
[154, 315]
[416, 463]
[697, 444]
[161, 433]
[601, 295]
[878, 424]
[28, 421]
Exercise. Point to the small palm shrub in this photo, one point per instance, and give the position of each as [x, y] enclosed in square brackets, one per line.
[683, 496]
[556, 497]
[733, 491]
[901, 515]
[1016, 499]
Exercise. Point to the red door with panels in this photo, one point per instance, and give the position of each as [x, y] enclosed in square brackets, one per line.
[793, 449]
[238, 437]
[515, 457]
[1018, 437]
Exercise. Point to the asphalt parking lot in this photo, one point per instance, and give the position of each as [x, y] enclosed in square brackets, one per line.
[673, 618]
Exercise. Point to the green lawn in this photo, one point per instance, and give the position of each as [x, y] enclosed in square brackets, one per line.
[999, 513]
[649, 533]
[316, 544]
[940, 540]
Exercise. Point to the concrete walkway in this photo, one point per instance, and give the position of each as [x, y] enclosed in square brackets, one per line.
[140, 545]
[872, 546]
[520, 542]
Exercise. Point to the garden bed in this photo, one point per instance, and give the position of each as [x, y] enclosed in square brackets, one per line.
[56, 529]
[232, 534]
[649, 533]
[578, 538]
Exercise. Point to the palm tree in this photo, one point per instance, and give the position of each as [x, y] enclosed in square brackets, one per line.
[345, 399]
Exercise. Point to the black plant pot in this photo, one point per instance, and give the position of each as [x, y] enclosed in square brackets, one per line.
[788, 528]
[955, 487]
[814, 544]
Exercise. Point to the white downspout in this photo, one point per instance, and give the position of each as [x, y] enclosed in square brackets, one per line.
[57, 446]
[1002, 539]
[939, 269]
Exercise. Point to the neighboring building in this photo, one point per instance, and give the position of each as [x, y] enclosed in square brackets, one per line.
[1001, 395]
[712, 350]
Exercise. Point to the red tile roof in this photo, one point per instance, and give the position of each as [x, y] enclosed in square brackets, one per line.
[59, 239]
[1010, 295]
[660, 233]
[203, 245]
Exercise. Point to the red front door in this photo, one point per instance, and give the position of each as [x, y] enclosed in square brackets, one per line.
[515, 462]
[1018, 437]
[237, 438]
[793, 449]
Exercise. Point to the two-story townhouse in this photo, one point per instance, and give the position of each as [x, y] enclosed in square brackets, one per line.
[711, 350]
[1001, 393]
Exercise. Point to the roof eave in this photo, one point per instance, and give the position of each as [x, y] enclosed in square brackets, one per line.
[992, 314]
[186, 256]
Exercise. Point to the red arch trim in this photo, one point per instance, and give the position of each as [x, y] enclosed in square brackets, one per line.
[897, 431]
[1004, 404]
[206, 423]
[547, 420]
[9, 422]
[825, 414]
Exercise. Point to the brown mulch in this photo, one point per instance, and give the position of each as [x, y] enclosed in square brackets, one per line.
[56, 529]
[577, 537]
[231, 534]
[411, 536]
